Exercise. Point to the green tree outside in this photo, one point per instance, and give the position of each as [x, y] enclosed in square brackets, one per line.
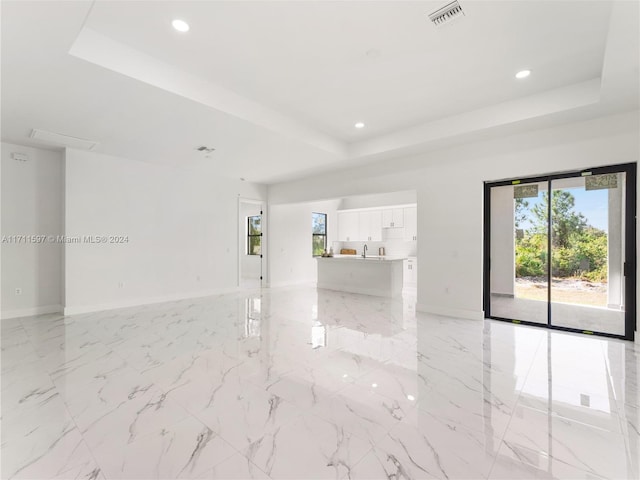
[578, 249]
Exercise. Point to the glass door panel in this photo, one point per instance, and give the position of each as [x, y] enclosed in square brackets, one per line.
[587, 252]
[560, 251]
[518, 257]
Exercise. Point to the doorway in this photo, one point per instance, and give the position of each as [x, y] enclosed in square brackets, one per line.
[251, 241]
[560, 251]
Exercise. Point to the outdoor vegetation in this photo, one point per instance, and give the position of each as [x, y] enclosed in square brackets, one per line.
[318, 233]
[579, 251]
[254, 235]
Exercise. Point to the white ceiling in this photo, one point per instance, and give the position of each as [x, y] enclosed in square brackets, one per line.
[276, 87]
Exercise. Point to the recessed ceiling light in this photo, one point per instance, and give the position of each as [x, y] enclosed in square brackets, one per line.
[180, 25]
[359, 125]
[523, 74]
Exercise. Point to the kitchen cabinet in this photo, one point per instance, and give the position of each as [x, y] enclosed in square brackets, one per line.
[348, 226]
[366, 225]
[410, 224]
[393, 218]
[410, 274]
[369, 276]
[370, 226]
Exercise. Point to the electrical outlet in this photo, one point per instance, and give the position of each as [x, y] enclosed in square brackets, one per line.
[18, 291]
[120, 284]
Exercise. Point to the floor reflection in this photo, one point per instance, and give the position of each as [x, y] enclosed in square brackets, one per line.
[252, 324]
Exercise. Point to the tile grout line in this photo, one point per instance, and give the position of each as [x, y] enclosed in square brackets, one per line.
[506, 430]
[66, 407]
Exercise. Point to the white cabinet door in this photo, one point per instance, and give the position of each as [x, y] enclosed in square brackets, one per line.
[410, 273]
[348, 226]
[370, 226]
[398, 218]
[392, 218]
[387, 218]
[410, 224]
[376, 225]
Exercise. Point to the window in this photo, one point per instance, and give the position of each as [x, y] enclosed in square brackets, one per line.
[318, 233]
[254, 235]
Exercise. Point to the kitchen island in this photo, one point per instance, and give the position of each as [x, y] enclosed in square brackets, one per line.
[380, 276]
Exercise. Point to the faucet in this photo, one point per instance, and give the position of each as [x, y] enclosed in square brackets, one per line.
[364, 251]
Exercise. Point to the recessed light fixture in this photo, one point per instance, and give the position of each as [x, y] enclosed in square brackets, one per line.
[411, 398]
[180, 25]
[523, 74]
[359, 125]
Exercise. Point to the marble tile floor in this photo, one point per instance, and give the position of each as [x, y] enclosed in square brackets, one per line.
[568, 315]
[299, 383]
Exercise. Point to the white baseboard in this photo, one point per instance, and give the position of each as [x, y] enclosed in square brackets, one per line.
[30, 312]
[293, 283]
[376, 292]
[451, 312]
[136, 302]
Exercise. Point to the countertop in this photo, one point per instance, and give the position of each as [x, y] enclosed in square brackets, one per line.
[359, 258]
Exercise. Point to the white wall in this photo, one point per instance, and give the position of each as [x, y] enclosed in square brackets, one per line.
[181, 224]
[290, 257]
[379, 200]
[32, 202]
[450, 195]
[503, 244]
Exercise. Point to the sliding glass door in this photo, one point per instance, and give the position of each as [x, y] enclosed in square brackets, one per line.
[587, 240]
[560, 250]
[519, 255]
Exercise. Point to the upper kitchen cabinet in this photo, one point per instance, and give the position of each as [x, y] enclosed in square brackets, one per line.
[410, 224]
[370, 226]
[393, 218]
[376, 225]
[348, 226]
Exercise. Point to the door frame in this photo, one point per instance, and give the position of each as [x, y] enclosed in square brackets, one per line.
[241, 237]
[629, 253]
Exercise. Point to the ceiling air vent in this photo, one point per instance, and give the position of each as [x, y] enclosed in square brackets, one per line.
[446, 14]
[205, 149]
[63, 140]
